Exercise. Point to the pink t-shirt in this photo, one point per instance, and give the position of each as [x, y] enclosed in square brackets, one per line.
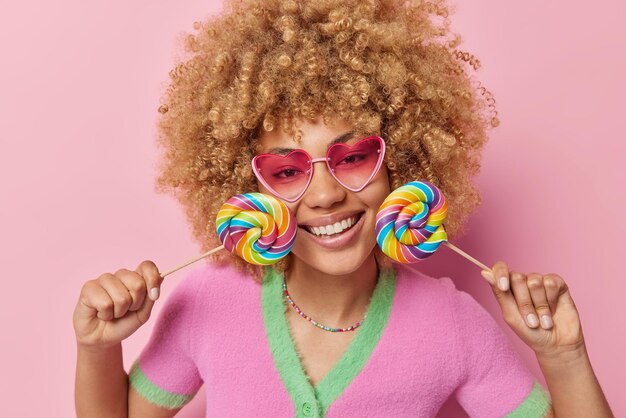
[421, 342]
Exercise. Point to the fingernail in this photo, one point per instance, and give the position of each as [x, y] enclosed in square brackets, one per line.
[546, 321]
[504, 283]
[487, 276]
[532, 320]
[154, 293]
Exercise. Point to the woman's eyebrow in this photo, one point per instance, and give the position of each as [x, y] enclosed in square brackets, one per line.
[340, 139]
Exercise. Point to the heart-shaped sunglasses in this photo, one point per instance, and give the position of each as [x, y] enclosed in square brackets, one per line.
[353, 166]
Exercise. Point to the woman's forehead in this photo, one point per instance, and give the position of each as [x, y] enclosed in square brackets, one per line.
[307, 135]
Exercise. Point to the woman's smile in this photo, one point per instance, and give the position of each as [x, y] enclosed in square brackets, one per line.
[334, 235]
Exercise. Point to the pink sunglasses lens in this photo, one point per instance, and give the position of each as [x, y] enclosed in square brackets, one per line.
[355, 165]
[286, 175]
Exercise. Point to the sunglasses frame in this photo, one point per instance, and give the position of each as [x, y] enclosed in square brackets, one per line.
[311, 161]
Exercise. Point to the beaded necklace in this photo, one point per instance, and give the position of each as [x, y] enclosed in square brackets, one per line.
[314, 322]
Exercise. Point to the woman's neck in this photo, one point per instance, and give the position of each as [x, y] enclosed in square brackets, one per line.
[333, 299]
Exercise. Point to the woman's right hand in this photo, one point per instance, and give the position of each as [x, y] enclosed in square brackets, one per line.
[113, 306]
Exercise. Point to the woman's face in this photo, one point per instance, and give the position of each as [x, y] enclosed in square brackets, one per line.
[326, 203]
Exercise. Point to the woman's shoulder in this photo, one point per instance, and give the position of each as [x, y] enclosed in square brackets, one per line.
[217, 276]
[214, 284]
[411, 280]
[440, 295]
[456, 307]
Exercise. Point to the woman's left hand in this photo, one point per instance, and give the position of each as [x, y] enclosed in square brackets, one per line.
[539, 308]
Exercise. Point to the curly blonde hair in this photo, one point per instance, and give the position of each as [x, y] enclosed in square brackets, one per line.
[385, 66]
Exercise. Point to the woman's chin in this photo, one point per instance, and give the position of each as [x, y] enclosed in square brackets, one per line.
[338, 254]
[335, 263]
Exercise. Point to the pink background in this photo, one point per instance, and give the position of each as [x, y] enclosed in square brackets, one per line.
[79, 88]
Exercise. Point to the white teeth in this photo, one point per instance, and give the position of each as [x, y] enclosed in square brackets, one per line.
[335, 228]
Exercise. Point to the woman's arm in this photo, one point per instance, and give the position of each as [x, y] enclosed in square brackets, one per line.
[573, 385]
[101, 382]
[540, 310]
[102, 388]
[109, 310]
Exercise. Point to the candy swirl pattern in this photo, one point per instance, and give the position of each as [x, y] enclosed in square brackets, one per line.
[409, 223]
[257, 227]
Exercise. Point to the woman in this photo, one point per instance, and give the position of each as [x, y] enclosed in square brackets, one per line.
[269, 90]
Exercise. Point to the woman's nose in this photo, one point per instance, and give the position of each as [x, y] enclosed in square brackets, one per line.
[323, 191]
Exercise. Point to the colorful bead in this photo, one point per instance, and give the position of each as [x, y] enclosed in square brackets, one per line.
[314, 322]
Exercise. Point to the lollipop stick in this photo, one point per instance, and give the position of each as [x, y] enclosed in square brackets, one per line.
[200, 257]
[466, 255]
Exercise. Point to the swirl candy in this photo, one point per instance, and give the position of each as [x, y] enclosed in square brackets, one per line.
[409, 223]
[257, 227]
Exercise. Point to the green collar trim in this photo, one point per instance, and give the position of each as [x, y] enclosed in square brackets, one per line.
[312, 401]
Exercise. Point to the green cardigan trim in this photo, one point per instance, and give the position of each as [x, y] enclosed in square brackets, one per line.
[140, 382]
[537, 404]
[309, 401]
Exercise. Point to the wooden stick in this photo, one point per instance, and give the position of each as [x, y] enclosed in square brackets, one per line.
[221, 247]
[200, 257]
[467, 256]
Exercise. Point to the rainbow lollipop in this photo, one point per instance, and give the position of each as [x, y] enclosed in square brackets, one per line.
[409, 223]
[257, 227]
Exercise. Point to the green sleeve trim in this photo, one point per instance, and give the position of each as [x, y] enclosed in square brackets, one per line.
[537, 404]
[140, 382]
